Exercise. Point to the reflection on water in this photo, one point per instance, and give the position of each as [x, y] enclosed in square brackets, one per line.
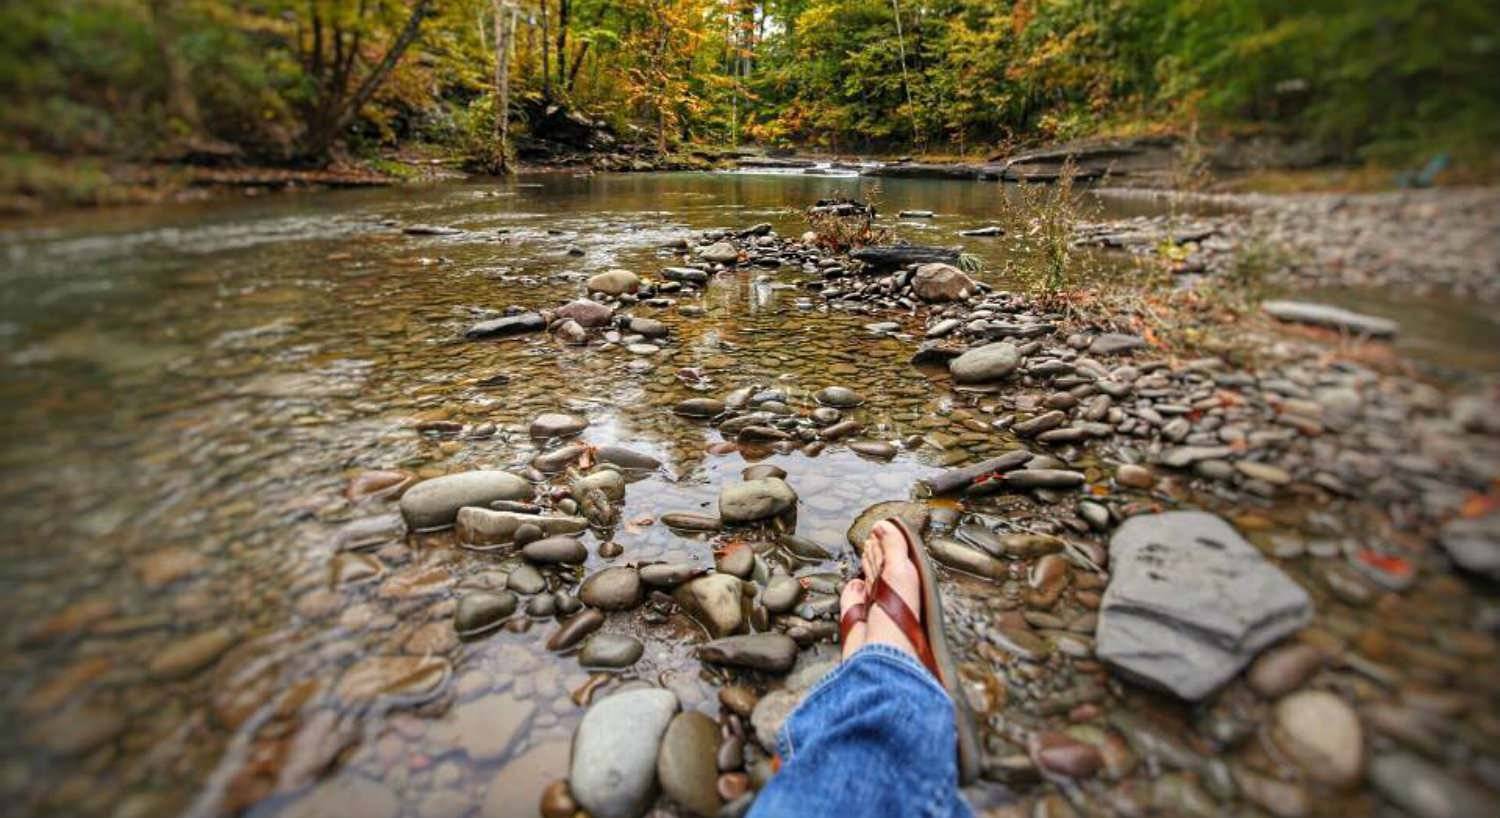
[189, 390]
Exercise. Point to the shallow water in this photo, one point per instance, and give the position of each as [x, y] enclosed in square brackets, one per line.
[189, 389]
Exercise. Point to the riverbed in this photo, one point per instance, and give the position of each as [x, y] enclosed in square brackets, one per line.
[202, 572]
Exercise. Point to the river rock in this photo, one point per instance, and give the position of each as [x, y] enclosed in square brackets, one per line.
[771, 652]
[626, 458]
[1426, 790]
[486, 527]
[1191, 602]
[525, 579]
[187, 656]
[571, 332]
[1112, 343]
[484, 728]
[699, 408]
[1474, 543]
[686, 275]
[770, 713]
[482, 611]
[669, 575]
[1322, 734]
[1284, 669]
[435, 503]
[984, 364]
[507, 326]
[76, 730]
[913, 514]
[839, 397]
[562, 550]
[587, 312]
[938, 282]
[755, 500]
[346, 795]
[1323, 315]
[782, 594]
[613, 769]
[611, 650]
[649, 327]
[575, 628]
[614, 282]
[720, 252]
[613, 589]
[957, 555]
[556, 424]
[690, 521]
[685, 765]
[715, 601]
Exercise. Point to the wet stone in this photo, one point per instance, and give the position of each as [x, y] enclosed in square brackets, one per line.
[482, 611]
[556, 424]
[685, 765]
[613, 769]
[556, 550]
[755, 500]
[715, 601]
[435, 503]
[573, 630]
[192, 654]
[525, 579]
[610, 650]
[1284, 669]
[838, 397]
[668, 575]
[612, 589]
[986, 363]
[782, 594]
[771, 652]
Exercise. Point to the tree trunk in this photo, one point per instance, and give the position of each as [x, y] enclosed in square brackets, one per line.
[504, 27]
[323, 134]
[182, 106]
[546, 55]
[564, 11]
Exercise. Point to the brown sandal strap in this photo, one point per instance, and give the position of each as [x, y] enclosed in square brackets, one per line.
[853, 616]
[906, 621]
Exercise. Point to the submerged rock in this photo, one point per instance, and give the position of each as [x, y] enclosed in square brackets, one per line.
[721, 252]
[1191, 602]
[485, 527]
[613, 769]
[435, 503]
[755, 500]
[557, 424]
[614, 282]
[611, 650]
[507, 326]
[483, 611]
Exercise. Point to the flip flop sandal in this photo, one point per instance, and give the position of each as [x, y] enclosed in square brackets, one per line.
[855, 615]
[927, 637]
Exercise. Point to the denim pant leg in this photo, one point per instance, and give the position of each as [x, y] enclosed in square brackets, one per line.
[874, 739]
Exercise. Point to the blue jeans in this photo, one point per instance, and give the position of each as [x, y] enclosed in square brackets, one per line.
[874, 739]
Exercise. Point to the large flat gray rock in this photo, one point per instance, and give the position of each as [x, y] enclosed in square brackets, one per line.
[1191, 602]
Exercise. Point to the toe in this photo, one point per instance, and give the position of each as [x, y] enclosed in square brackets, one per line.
[855, 592]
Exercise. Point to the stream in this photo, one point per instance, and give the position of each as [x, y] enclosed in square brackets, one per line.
[214, 608]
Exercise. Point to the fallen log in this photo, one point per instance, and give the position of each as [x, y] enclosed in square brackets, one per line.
[961, 478]
[891, 257]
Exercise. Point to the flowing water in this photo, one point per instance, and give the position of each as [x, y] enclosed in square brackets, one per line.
[190, 389]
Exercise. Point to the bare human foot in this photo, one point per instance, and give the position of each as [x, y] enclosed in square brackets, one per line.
[855, 593]
[885, 555]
